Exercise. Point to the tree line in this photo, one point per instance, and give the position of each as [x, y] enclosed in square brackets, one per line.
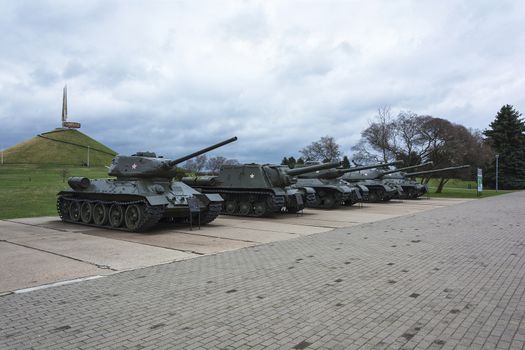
[202, 163]
[416, 139]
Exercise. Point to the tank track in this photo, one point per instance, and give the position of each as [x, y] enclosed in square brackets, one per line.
[214, 209]
[292, 205]
[310, 199]
[272, 202]
[376, 195]
[152, 214]
[352, 199]
[330, 199]
[409, 192]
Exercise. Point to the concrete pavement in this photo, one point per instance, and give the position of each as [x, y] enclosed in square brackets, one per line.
[45, 250]
[449, 278]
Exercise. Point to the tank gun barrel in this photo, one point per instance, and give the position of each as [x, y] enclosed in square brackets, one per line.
[366, 167]
[312, 168]
[335, 173]
[437, 170]
[406, 168]
[174, 162]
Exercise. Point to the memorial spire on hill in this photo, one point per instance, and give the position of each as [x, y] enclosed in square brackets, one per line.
[65, 123]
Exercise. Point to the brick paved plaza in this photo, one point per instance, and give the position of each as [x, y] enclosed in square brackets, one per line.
[449, 278]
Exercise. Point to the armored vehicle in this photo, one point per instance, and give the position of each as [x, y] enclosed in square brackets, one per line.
[331, 191]
[409, 188]
[258, 190]
[142, 194]
[423, 188]
[371, 179]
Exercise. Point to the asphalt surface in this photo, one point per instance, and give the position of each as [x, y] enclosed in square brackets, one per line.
[448, 278]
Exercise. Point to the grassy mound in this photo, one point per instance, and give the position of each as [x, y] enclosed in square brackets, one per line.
[60, 147]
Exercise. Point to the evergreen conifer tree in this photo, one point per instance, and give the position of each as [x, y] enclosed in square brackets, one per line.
[346, 162]
[506, 135]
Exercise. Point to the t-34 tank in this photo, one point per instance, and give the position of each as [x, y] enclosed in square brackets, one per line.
[371, 179]
[422, 189]
[330, 190]
[142, 194]
[410, 189]
[258, 190]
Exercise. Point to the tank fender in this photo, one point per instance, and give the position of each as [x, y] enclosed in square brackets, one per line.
[308, 190]
[214, 197]
[157, 200]
[363, 188]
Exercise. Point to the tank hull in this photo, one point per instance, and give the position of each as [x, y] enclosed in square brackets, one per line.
[258, 202]
[330, 193]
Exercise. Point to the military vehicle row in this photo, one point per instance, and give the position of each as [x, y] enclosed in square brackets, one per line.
[143, 191]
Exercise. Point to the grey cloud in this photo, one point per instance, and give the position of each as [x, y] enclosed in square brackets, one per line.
[44, 76]
[249, 23]
[175, 78]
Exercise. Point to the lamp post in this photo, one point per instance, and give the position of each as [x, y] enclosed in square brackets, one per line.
[497, 171]
[88, 159]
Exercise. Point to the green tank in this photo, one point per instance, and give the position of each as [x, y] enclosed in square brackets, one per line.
[423, 188]
[258, 190]
[408, 188]
[331, 191]
[371, 179]
[142, 193]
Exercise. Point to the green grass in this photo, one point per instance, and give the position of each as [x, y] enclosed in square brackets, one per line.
[30, 189]
[450, 192]
[456, 188]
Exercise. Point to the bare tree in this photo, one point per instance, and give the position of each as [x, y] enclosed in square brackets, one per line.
[215, 163]
[231, 162]
[325, 150]
[415, 139]
[377, 142]
[197, 164]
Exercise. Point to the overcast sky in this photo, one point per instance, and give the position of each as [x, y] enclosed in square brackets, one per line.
[175, 77]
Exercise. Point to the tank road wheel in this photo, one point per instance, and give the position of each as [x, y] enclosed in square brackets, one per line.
[63, 208]
[230, 207]
[329, 201]
[86, 212]
[373, 196]
[134, 217]
[100, 214]
[259, 208]
[74, 211]
[245, 208]
[116, 215]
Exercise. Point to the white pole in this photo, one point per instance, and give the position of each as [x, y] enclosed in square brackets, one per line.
[497, 171]
[2, 156]
[88, 158]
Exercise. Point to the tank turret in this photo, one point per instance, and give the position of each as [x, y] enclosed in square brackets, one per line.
[408, 188]
[142, 194]
[148, 165]
[436, 170]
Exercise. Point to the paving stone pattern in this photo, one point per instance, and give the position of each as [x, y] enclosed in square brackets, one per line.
[450, 278]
